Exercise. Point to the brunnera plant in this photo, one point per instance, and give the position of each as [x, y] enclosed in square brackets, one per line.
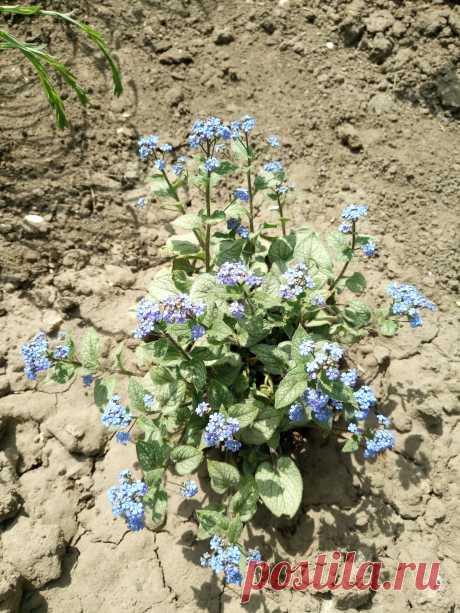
[241, 344]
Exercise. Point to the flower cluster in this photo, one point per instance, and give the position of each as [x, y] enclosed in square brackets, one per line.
[366, 400]
[171, 310]
[115, 415]
[189, 489]
[236, 309]
[369, 249]
[223, 560]
[236, 273]
[354, 212]
[202, 409]
[147, 146]
[35, 355]
[241, 194]
[296, 281]
[208, 130]
[380, 442]
[126, 500]
[325, 360]
[235, 226]
[221, 429]
[275, 167]
[407, 300]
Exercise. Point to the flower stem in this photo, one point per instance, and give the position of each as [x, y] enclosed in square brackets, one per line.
[177, 346]
[207, 245]
[280, 209]
[347, 263]
[250, 193]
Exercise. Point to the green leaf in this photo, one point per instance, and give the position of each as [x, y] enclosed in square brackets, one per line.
[340, 244]
[260, 184]
[184, 244]
[90, 352]
[351, 446]
[235, 528]
[309, 248]
[282, 248]
[267, 295]
[169, 390]
[156, 500]
[194, 371]
[336, 390]
[245, 412]
[299, 337]
[223, 476]
[216, 217]
[274, 360]
[239, 150]
[103, 391]
[291, 387]
[263, 428]
[151, 454]
[388, 327]
[218, 394]
[63, 372]
[191, 221]
[280, 486]
[357, 314]
[252, 330]
[186, 459]
[212, 522]
[163, 350]
[225, 168]
[205, 288]
[219, 330]
[163, 286]
[356, 283]
[229, 251]
[244, 502]
[136, 393]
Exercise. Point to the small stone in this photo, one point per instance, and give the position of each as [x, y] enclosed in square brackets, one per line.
[268, 26]
[435, 511]
[448, 86]
[104, 183]
[223, 37]
[120, 276]
[380, 49]
[379, 21]
[176, 56]
[381, 104]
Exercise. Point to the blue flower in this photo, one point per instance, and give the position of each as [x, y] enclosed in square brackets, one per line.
[197, 332]
[350, 377]
[369, 249]
[318, 401]
[317, 300]
[223, 559]
[160, 164]
[296, 412]
[381, 441]
[254, 554]
[274, 167]
[353, 428]
[273, 141]
[345, 228]
[281, 189]
[236, 310]
[126, 500]
[248, 124]
[140, 204]
[233, 223]
[332, 373]
[407, 300]
[35, 356]
[62, 352]
[296, 281]
[165, 147]
[205, 131]
[115, 415]
[123, 437]
[241, 194]
[148, 400]
[147, 145]
[243, 232]
[211, 164]
[383, 420]
[87, 380]
[221, 430]
[306, 347]
[215, 543]
[366, 400]
[354, 212]
[189, 489]
[172, 310]
[202, 408]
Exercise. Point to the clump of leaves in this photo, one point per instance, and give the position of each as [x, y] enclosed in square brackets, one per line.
[43, 62]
